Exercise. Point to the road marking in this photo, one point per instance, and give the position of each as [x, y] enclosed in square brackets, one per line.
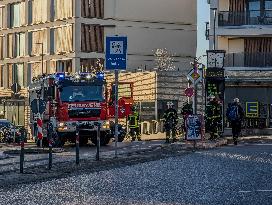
[245, 191]
[255, 191]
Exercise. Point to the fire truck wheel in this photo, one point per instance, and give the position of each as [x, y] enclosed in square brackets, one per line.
[104, 139]
[83, 141]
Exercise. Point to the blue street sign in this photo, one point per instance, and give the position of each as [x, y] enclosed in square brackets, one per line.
[116, 53]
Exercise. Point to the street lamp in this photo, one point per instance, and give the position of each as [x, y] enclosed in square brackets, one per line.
[214, 22]
[42, 55]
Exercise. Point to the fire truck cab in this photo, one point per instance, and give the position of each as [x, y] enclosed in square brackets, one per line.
[78, 102]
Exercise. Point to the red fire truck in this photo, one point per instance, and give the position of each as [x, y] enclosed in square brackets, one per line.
[78, 102]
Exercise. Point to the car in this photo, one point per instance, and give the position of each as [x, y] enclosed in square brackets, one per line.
[14, 130]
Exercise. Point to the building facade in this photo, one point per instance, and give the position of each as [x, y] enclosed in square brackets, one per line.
[47, 36]
[243, 29]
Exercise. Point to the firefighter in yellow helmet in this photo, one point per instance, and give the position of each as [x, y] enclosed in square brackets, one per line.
[134, 127]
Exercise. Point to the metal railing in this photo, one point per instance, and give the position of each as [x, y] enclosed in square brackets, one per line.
[231, 18]
[248, 60]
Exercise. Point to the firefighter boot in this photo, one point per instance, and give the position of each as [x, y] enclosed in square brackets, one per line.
[167, 137]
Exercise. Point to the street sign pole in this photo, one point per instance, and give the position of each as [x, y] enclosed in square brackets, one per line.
[116, 112]
[116, 59]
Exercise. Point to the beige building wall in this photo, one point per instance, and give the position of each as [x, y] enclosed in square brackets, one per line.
[149, 25]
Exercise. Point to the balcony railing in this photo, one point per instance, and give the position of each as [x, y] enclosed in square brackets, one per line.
[248, 60]
[229, 18]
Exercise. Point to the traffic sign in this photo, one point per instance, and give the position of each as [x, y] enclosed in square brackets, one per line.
[38, 106]
[15, 88]
[116, 53]
[194, 76]
[189, 92]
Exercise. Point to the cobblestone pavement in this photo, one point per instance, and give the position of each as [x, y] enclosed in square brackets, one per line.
[228, 175]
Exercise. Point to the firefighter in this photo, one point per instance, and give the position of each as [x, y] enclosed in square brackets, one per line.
[213, 117]
[171, 119]
[186, 110]
[134, 127]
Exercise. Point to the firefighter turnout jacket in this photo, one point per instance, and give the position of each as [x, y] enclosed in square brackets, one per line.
[133, 120]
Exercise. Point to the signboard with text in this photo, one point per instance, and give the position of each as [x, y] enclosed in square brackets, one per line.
[116, 53]
[252, 109]
[194, 127]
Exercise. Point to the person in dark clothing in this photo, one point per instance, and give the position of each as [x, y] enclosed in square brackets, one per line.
[171, 119]
[213, 117]
[235, 116]
[186, 110]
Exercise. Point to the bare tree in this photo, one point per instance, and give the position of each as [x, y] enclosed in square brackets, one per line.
[164, 60]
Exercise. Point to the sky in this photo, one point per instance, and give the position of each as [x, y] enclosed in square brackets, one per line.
[203, 16]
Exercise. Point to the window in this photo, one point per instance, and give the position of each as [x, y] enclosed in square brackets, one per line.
[10, 75]
[39, 11]
[1, 75]
[92, 8]
[254, 8]
[18, 74]
[36, 69]
[61, 66]
[92, 38]
[63, 9]
[1, 17]
[17, 14]
[63, 39]
[10, 41]
[91, 64]
[1, 47]
[39, 38]
[20, 44]
[268, 8]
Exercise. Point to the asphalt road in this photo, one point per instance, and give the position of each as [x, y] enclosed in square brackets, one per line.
[228, 175]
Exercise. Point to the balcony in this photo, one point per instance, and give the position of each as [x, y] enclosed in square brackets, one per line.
[230, 18]
[248, 60]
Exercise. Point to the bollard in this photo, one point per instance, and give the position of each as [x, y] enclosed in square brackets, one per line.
[98, 143]
[22, 153]
[77, 146]
[50, 133]
[194, 149]
[50, 155]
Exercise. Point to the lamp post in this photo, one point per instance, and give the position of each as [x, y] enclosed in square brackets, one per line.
[214, 22]
[42, 55]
